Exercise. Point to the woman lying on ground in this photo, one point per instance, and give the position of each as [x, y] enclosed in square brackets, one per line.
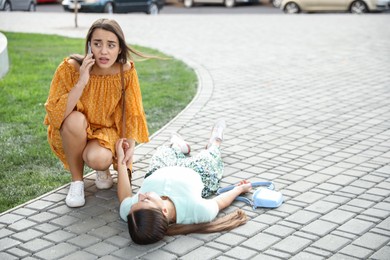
[171, 200]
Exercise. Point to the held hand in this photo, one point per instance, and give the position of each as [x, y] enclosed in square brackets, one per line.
[120, 150]
[129, 152]
[85, 69]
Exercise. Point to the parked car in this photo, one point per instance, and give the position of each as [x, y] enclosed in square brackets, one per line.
[17, 5]
[227, 3]
[46, 1]
[353, 6]
[114, 6]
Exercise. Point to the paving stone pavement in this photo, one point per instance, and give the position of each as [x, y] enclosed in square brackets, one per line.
[307, 102]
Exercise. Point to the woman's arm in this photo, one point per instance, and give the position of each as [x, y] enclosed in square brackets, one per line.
[77, 90]
[124, 188]
[225, 199]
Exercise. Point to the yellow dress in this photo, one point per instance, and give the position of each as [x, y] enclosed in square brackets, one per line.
[100, 103]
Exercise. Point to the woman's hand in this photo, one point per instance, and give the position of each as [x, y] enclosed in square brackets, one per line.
[128, 147]
[245, 186]
[120, 150]
[85, 69]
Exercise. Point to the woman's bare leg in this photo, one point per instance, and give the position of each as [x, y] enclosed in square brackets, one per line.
[96, 156]
[74, 139]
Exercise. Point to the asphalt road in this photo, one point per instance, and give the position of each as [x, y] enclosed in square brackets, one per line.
[174, 7]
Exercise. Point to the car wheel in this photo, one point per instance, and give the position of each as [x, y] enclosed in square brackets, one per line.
[276, 3]
[358, 7]
[188, 3]
[230, 3]
[109, 8]
[7, 7]
[291, 8]
[153, 9]
[32, 7]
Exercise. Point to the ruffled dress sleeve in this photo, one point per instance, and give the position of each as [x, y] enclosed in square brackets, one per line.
[136, 126]
[63, 81]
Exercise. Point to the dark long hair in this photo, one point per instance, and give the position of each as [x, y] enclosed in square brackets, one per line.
[148, 226]
[111, 26]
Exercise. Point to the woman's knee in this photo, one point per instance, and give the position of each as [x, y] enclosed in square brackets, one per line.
[97, 157]
[74, 123]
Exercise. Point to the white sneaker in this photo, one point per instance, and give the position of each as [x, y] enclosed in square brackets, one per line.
[75, 197]
[178, 141]
[103, 179]
[217, 133]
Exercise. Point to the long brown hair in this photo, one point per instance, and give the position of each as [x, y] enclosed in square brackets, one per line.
[111, 26]
[147, 226]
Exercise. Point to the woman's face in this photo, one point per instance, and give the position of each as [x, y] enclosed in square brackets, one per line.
[105, 48]
[148, 200]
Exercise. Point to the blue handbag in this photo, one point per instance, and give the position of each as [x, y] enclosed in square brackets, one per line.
[263, 197]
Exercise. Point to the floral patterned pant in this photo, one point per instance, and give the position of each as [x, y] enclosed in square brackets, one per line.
[208, 164]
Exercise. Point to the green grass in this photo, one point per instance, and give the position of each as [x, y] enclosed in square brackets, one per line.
[28, 167]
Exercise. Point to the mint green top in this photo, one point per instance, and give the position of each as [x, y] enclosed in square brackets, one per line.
[184, 187]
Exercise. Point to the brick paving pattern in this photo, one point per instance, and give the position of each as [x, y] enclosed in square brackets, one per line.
[307, 102]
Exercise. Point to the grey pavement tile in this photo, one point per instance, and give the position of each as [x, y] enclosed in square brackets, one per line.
[117, 241]
[6, 243]
[331, 243]
[46, 227]
[10, 218]
[202, 253]
[279, 230]
[356, 251]
[80, 255]
[84, 240]
[319, 227]
[85, 225]
[59, 236]
[4, 232]
[278, 254]
[250, 228]
[27, 235]
[6, 256]
[381, 254]
[129, 252]
[306, 256]
[356, 226]
[292, 245]
[261, 241]
[64, 221]
[237, 253]
[104, 232]
[302, 217]
[101, 249]
[22, 225]
[182, 245]
[42, 217]
[159, 254]
[218, 246]
[371, 241]
[230, 239]
[57, 251]
[35, 245]
[19, 253]
[378, 213]
[39, 205]
[23, 212]
[338, 216]
[322, 207]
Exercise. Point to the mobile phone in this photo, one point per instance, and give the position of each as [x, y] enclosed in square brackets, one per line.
[89, 48]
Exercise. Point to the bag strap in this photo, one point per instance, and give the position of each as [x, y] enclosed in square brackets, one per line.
[123, 134]
[269, 184]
